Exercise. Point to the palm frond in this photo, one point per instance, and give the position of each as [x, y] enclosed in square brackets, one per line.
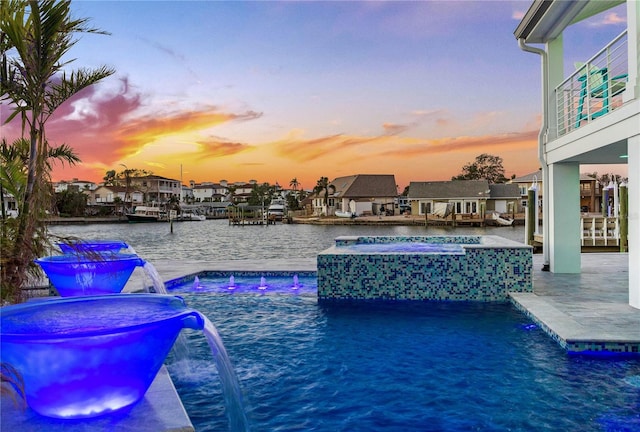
[76, 81]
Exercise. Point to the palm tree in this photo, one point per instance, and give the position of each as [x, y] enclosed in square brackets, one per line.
[294, 184]
[38, 34]
[13, 180]
[323, 185]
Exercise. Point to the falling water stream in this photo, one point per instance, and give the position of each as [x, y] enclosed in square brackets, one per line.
[228, 378]
[156, 279]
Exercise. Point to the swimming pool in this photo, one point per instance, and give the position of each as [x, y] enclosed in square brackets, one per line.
[401, 366]
[462, 268]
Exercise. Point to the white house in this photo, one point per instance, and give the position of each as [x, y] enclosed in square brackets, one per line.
[75, 184]
[590, 115]
[108, 194]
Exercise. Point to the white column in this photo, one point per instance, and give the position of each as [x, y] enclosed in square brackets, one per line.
[633, 150]
[632, 90]
[564, 217]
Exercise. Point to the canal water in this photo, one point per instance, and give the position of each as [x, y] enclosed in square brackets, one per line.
[215, 240]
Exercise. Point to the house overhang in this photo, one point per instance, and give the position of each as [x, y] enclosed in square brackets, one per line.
[546, 19]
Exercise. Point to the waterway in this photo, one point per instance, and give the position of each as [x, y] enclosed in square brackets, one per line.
[213, 240]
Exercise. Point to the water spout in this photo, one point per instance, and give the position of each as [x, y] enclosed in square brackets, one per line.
[263, 283]
[196, 283]
[228, 378]
[232, 283]
[295, 282]
[156, 279]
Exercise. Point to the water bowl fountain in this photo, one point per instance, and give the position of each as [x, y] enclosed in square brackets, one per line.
[86, 356]
[91, 273]
[84, 246]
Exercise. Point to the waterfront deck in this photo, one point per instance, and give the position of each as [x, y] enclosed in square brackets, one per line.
[587, 311]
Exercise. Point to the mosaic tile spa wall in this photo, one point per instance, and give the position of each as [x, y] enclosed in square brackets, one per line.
[447, 268]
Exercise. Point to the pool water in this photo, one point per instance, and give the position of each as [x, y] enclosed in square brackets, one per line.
[403, 366]
[405, 247]
[250, 283]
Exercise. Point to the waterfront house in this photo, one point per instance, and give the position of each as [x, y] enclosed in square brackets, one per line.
[108, 194]
[209, 192]
[360, 194]
[156, 188]
[469, 198]
[186, 194]
[590, 115]
[590, 190]
[74, 185]
[504, 198]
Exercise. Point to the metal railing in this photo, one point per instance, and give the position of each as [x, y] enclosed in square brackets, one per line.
[595, 88]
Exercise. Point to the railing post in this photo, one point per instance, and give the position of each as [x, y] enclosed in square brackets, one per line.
[624, 222]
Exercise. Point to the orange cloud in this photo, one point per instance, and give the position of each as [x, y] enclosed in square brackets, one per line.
[394, 129]
[456, 144]
[214, 147]
[146, 130]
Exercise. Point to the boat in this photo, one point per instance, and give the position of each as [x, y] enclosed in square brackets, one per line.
[344, 214]
[276, 210]
[190, 216]
[146, 214]
[501, 221]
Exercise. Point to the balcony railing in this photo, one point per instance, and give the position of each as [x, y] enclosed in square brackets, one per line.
[595, 88]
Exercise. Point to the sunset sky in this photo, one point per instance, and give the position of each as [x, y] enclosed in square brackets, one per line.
[273, 91]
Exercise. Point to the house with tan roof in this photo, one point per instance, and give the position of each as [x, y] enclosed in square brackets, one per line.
[359, 194]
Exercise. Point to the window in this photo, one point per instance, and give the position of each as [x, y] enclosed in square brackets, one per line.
[425, 207]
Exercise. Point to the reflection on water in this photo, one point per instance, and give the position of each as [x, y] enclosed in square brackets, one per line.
[214, 239]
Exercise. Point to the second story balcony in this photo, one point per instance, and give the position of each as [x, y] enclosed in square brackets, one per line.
[595, 89]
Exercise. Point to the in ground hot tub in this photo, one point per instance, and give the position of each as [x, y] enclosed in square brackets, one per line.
[465, 268]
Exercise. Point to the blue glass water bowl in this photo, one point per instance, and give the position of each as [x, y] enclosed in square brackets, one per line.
[92, 246]
[90, 273]
[88, 356]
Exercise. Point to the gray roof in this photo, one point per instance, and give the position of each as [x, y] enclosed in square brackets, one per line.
[365, 186]
[528, 178]
[449, 189]
[503, 190]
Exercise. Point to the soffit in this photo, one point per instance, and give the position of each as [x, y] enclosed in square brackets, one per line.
[546, 19]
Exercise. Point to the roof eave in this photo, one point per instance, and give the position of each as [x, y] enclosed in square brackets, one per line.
[546, 19]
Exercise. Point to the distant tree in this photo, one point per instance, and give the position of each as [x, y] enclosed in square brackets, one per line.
[323, 186]
[71, 203]
[173, 203]
[294, 184]
[117, 203]
[292, 202]
[605, 179]
[109, 178]
[485, 166]
[124, 179]
[405, 192]
[261, 195]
